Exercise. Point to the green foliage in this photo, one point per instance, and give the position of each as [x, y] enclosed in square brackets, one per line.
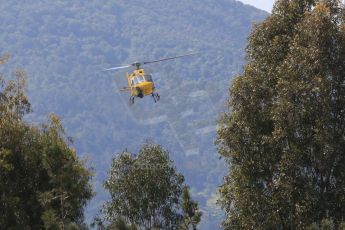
[50, 219]
[43, 183]
[342, 226]
[145, 189]
[326, 224]
[14, 103]
[120, 224]
[191, 213]
[284, 138]
[313, 226]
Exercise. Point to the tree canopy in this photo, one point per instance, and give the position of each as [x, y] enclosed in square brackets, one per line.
[43, 182]
[191, 213]
[284, 137]
[146, 190]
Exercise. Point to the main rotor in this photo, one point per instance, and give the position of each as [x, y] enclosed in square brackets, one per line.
[137, 64]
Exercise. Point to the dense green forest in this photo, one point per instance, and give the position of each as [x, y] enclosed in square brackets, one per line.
[65, 45]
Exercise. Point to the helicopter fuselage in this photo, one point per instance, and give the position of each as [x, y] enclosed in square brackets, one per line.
[140, 83]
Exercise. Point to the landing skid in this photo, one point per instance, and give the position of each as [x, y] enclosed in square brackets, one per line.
[156, 97]
[131, 100]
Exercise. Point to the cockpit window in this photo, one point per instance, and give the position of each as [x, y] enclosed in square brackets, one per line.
[148, 78]
[135, 81]
[141, 78]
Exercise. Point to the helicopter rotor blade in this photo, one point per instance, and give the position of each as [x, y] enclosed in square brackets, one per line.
[118, 67]
[138, 64]
[169, 58]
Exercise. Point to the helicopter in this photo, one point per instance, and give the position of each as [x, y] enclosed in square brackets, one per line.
[140, 83]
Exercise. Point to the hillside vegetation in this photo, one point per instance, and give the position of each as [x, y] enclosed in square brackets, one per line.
[65, 45]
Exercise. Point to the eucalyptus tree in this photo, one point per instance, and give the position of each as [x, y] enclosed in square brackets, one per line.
[191, 213]
[284, 138]
[43, 182]
[145, 190]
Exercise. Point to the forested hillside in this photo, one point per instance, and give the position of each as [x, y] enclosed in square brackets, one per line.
[65, 45]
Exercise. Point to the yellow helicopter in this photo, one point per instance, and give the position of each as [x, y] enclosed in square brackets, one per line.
[140, 83]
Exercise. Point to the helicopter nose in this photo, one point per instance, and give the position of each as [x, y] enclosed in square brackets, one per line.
[147, 88]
